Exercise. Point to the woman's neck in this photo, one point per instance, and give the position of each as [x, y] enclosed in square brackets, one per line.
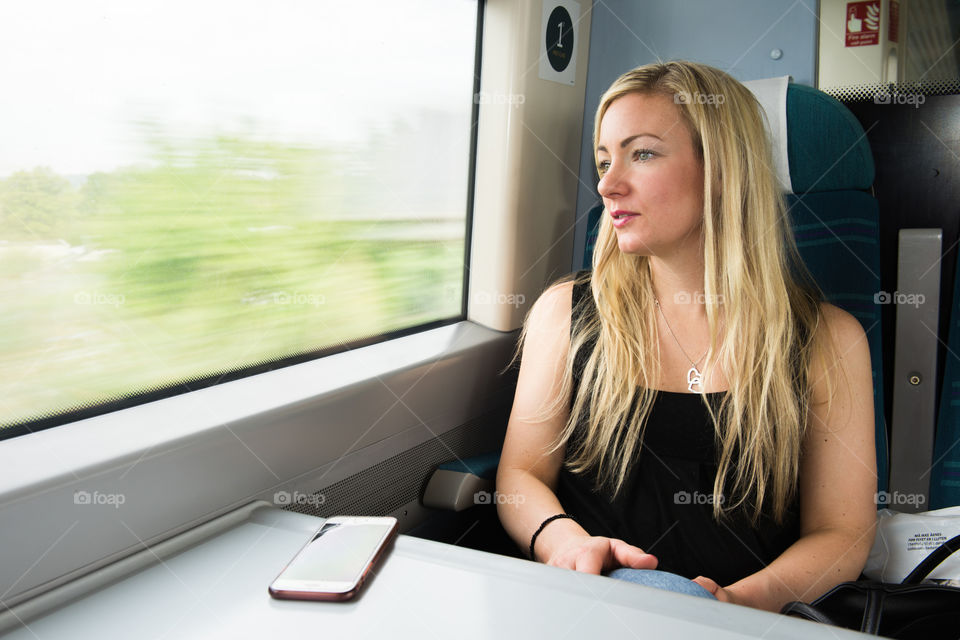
[679, 284]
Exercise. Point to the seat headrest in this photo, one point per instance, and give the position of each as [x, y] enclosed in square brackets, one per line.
[771, 93]
[826, 145]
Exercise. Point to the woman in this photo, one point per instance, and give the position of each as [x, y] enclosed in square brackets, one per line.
[692, 403]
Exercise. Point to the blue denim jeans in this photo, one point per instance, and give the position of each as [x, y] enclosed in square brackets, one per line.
[661, 580]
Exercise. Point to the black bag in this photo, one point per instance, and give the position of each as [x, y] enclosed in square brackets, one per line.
[907, 610]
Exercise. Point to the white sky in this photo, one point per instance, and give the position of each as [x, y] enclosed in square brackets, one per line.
[75, 74]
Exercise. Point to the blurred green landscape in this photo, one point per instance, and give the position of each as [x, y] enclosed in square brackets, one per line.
[217, 253]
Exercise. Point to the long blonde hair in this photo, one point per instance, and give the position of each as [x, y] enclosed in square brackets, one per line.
[761, 304]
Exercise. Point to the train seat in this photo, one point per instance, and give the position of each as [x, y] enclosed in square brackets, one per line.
[836, 222]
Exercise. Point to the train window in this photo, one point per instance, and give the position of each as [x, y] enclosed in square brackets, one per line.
[191, 191]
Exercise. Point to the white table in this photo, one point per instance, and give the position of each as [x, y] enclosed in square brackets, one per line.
[217, 588]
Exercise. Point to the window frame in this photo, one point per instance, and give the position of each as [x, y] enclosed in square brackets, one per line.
[47, 418]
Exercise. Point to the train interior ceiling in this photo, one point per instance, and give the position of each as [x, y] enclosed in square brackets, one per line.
[246, 306]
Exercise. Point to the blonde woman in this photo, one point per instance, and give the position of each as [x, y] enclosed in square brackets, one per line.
[692, 405]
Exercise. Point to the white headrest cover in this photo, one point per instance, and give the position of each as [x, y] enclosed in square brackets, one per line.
[772, 95]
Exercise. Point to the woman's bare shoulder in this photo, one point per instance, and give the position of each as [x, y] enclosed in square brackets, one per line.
[842, 326]
[549, 319]
[845, 359]
[556, 300]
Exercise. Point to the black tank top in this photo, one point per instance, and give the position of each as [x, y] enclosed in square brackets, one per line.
[665, 506]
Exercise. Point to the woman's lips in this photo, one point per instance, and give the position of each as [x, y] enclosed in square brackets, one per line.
[621, 217]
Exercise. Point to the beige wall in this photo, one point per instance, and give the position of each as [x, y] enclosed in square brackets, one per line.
[527, 164]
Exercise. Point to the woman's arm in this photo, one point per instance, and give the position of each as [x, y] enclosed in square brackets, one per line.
[837, 484]
[527, 473]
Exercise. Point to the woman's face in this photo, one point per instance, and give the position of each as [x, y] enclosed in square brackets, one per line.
[651, 176]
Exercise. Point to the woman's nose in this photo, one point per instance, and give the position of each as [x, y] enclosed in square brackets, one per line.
[611, 184]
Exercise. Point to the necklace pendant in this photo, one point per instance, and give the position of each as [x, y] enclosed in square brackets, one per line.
[694, 379]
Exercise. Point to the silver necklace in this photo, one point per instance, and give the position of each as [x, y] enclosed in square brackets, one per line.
[694, 377]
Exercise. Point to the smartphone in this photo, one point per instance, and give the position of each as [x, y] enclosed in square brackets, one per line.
[335, 562]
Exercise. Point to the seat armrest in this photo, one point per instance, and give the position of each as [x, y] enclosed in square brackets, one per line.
[461, 484]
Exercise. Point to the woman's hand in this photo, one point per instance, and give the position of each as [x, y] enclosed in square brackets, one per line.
[718, 592]
[599, 555]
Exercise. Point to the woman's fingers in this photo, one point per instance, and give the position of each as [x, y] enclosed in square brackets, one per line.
[706, 583]
[591, 555]
[718, 592]
[627, 555]
[592, 561]
[597, 554]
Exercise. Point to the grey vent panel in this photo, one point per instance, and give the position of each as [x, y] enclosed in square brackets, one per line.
[883, 93]
[399, 480]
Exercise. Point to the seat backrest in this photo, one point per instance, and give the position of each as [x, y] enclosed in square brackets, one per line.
[835, 221]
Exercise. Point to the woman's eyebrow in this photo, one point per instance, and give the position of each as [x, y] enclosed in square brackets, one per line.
[627, 141]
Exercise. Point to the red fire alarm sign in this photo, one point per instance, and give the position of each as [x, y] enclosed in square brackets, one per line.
[863, 23]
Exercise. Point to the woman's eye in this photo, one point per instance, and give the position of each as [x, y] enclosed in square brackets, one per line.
[642, 155]
[602, 166]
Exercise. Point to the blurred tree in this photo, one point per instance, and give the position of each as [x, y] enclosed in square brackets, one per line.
[37, 205]
[216, 253]
[211, 221]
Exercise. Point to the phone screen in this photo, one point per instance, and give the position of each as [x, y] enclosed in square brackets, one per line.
[338, 552]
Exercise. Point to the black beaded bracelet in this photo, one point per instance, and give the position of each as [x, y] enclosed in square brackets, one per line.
[543, 524]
